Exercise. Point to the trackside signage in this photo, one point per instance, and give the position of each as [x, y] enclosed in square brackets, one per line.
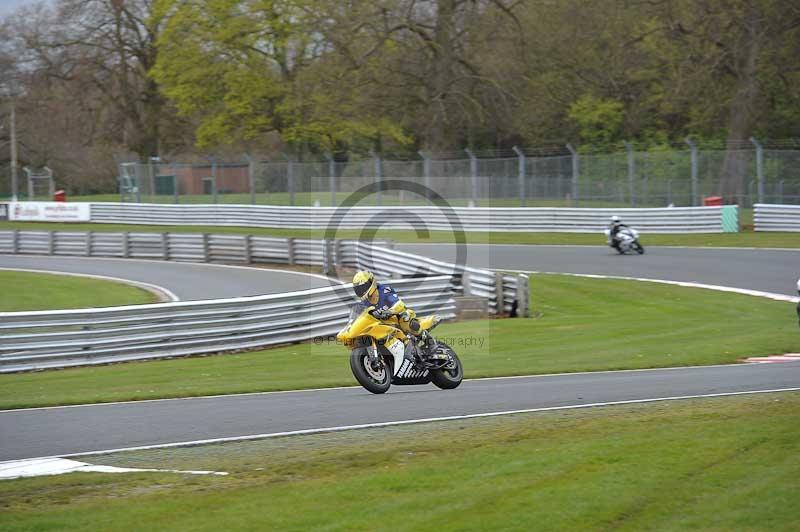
[3, 211]
[49, 211]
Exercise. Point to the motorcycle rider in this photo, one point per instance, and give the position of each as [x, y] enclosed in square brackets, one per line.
[614, 228]
[386, 304]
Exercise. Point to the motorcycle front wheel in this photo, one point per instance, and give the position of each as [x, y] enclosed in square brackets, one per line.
[451, 375]
[375, 376]
[639, 249]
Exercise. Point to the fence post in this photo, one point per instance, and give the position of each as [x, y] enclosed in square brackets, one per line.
[175, 188]
[89, 243]
[693, 148]
[631, 173]
[126, 248]
[378, 177]
[521, 175]
[214, 179]
[576, 171]
[473, 173]
[289, 178]
[251, 178]
[290, 250]
[332, 177]
[426, 172]
[248, 249]
[759, 168]
[51, 248]
[206, 256]
[15, 241]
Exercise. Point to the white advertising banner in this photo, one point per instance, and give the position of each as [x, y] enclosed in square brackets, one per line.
[49, 211]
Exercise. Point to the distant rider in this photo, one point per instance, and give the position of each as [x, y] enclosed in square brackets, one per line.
[614, 228]
[387, 304]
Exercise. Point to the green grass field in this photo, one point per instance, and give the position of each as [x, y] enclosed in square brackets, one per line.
[582, 325]
[712, 464]
[39, 291]
[742, 239]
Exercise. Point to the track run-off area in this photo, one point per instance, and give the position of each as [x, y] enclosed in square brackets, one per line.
[92, 429]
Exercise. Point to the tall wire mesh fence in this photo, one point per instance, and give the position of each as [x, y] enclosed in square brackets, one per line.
[742, 173]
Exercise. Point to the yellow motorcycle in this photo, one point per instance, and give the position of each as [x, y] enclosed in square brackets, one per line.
[381, 354]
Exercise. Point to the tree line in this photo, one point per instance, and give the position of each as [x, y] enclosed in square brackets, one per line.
[95, 82]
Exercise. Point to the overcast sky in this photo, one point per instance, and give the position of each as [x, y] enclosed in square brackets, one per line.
[7, 6]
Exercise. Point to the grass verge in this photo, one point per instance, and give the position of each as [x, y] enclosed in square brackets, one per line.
[711, 464]
[742, 239]
[582, 325]
[41, 291]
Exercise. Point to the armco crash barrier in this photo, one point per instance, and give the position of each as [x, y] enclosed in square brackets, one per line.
[567, 220]
[776, 217]
[63, 338]
[501, 290]
[51, 339]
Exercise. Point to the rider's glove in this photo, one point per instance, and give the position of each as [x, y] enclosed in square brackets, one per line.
[383, 314]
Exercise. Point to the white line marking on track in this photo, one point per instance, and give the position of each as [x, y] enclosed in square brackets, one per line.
[718, 288]
[405, 422]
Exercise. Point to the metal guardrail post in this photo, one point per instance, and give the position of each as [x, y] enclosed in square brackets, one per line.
[89, 244]
[290, 251]
[759, 167]
[473, 173]
[165, 246]
[126, 246]
[248, 249]
[466, 284]
[206, 254]
[337, 252]
[499, 294]
[51, 245]
[693, 156]
[523, 296]
[521, 176]
[15, 241]
[576, 172]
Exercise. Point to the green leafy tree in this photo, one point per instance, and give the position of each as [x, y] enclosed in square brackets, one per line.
[599, 120]
[244, 68]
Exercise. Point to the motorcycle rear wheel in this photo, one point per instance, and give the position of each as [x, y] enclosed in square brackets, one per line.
[448, 378]
[374, 380]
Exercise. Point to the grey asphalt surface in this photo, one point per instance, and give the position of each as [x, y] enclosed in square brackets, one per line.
[757, 269]
[61, 431]
[48, 432]
[186, 280]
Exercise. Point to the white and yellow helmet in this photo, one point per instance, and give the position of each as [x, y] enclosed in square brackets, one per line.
[364, 284]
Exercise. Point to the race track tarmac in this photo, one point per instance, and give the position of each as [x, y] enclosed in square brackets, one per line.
[62, 431]
[188, 281]
[756, 269]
